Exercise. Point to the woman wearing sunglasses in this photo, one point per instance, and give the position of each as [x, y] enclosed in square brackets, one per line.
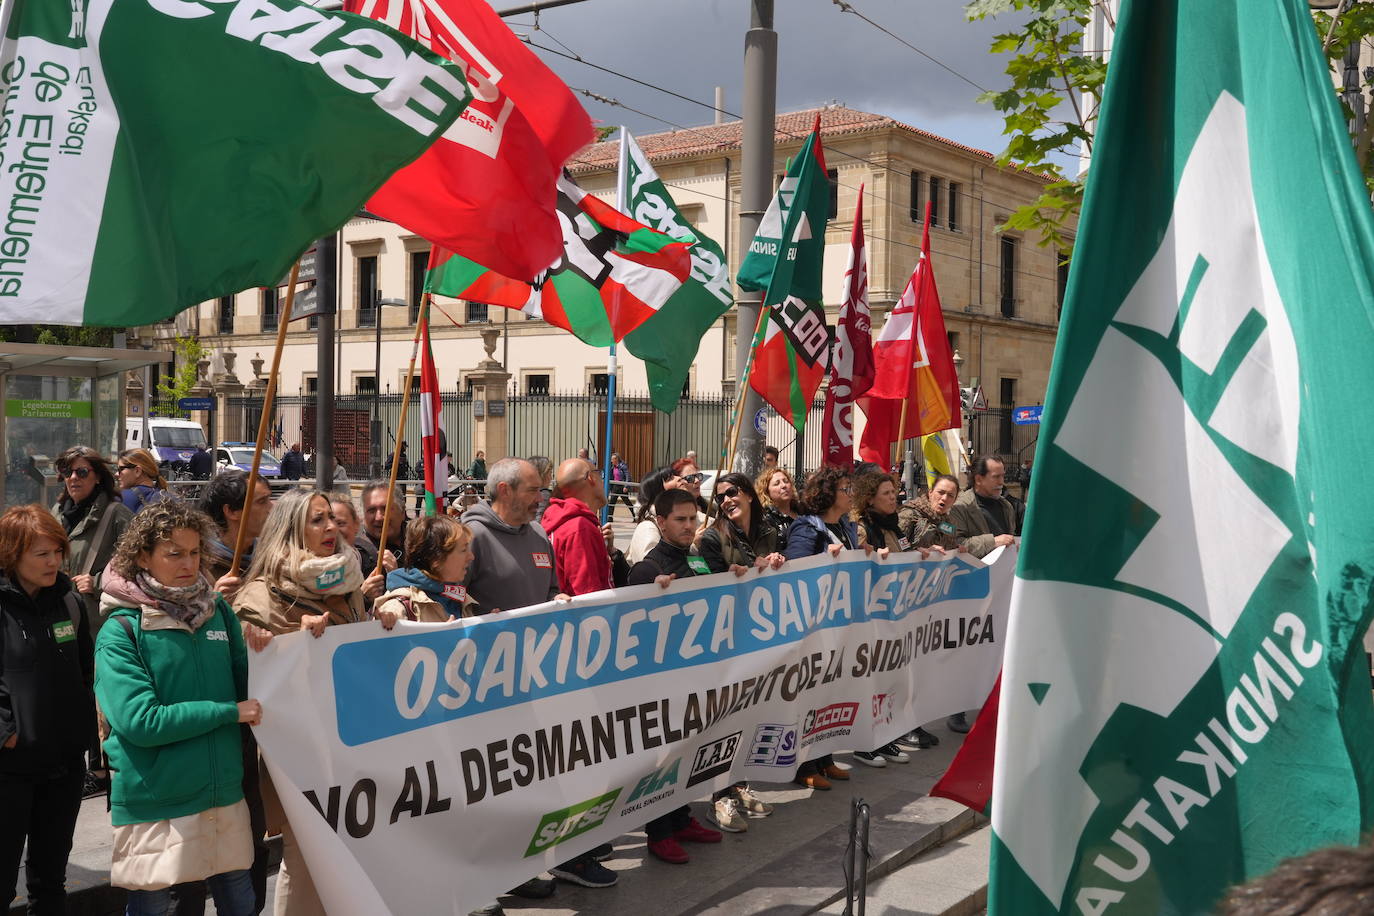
[94, 519]
[691, 475]
[140, 481]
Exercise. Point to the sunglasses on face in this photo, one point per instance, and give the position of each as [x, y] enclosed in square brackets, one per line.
[128, 467]
[693, 478]
[727, 493]
[79, 473]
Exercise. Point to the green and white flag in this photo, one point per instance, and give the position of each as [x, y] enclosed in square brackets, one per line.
[668, 341]
[1185, 699]
[157, 153]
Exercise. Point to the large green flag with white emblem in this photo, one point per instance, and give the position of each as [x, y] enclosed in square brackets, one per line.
[1185, 699]
[157, 153]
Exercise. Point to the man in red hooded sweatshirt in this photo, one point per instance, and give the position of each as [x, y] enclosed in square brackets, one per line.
[581, 547]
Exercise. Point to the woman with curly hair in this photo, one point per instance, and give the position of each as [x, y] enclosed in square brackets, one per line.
[172, 681]
[925, 521]
[140, 480]
[778, 495]
[47, 718]
[303, 577]
[875, 510]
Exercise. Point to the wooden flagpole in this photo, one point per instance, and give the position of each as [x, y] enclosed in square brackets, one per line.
[727, 449]
[400, 434]
[901, 428]
[268, 395]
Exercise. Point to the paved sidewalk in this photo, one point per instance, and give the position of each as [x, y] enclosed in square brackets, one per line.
[788, 863]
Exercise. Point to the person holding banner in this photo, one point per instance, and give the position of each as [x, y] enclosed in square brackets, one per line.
[675, 514]
[172, 682]
[303, 577]
[981, 515]
[875, 510]
[777, 493]
[925, 521]
[223, 502]
[828, 500]
[429, 588]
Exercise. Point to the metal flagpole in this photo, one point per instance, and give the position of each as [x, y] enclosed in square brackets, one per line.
[620, 197]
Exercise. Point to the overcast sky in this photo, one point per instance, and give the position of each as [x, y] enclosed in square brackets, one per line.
[824, 55]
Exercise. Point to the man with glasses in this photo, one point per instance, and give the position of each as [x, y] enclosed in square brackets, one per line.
[512, 559]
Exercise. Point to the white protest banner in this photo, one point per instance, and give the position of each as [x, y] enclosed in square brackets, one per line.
[430, 768]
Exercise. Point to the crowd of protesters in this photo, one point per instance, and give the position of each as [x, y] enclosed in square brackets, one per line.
[121, 598]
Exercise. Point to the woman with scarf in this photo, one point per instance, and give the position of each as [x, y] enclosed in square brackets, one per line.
[925, 521]
[429, 588]
[875, 510]
[303, 577]
[172, 680]
[140, 481]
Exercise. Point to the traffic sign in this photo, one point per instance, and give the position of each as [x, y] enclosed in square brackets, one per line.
[196, 404]
[1027, 416]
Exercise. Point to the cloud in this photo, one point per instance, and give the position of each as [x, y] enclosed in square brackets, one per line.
[824, 55]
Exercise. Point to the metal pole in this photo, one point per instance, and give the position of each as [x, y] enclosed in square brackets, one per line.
[377, 395]
[620, 201]
[756, 190]
[536, 7]
[326, 304]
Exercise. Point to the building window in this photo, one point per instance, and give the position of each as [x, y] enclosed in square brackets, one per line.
[952, 221]
[1004, 443]
[271, 303]
[1008, 276]
[598, 383]
[832, 178]
[686, 387]
[916, 214]
[953, 338]
[419, 263]
[312, 385]
[313, 322]
[934, 201]
[367, 292]
[226, 315]
[365, 384]
[537, 384]
[475, 313]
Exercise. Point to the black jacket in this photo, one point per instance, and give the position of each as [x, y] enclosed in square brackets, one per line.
[292, 465]
[664, 560]
[46, 672]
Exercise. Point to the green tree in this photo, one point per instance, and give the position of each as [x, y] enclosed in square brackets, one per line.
[1055, 90]
[188, 352]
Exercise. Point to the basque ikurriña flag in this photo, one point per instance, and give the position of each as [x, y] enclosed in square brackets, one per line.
[851, 355]
[614, 273]
[485, 189]
[159, 154]
[1185, 700]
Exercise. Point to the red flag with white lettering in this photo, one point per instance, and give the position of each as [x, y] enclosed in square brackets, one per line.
[486, 188]
[851, 355]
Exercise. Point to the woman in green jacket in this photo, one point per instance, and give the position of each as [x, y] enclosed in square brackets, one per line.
[171, 680]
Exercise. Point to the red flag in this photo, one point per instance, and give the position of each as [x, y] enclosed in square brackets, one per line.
[433, 442]
[485, 189]
[915, 364]
[851, 356]
[969, 777]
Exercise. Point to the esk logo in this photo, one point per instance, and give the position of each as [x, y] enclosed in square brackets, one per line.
[774, 745]
[660, 779]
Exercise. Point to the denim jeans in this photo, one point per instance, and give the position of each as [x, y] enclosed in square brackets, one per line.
[232, 892]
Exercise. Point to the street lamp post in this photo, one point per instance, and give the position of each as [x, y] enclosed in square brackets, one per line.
[377, 445]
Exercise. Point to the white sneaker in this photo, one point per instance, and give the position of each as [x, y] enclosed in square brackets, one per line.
[893, 753]
[870, 757]
[725, 812]
[750, 803]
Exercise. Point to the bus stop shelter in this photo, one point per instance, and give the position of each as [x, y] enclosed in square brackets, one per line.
[56, 397]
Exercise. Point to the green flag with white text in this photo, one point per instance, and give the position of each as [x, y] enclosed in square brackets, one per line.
[1185, 700]
[157, 153]
[668, 341]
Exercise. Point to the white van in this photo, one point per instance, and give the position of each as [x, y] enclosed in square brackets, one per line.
[169, 440]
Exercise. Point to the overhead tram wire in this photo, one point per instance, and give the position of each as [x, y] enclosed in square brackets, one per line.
[785, 133]
[617, 103]
[849, 8]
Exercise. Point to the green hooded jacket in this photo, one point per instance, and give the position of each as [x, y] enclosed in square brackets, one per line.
[171, 697]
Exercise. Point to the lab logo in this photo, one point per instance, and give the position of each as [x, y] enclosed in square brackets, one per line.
[713, 758]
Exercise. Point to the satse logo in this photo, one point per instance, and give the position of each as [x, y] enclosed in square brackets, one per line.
[557, 826]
